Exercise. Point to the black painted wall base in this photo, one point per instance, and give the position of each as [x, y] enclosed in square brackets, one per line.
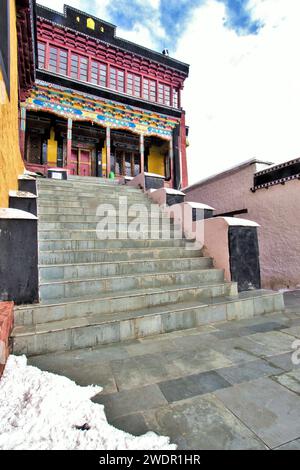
[174, 199]
[23, 202]
[18, 260]
[28, 185]
[244, 257]
[153, 182]
[200, 214]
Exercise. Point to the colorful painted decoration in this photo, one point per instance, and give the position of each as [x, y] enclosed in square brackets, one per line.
[85, 107]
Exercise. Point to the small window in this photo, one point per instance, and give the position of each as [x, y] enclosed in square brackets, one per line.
[137, 86]
[130, 84]
[98, 73]
[175, 98]
[121, 81]
[63, 62]
[113, 78]
[146, 89]
[152, 91]
[167, 95]
[5, 43]
[90, 23]
[83, 69]
[160, 93]
[42, 54]
[103, 75]
[53, 59]
[74, 66]
[94, 72]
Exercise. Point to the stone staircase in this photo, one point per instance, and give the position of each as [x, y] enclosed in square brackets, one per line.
[97, 291]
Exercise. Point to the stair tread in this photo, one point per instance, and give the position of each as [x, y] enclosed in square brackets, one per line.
[99, 318]
[116, 250]
[123, 262]
[122, 276]
[120, 294]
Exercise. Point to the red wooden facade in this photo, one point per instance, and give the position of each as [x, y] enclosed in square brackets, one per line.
[82, 54]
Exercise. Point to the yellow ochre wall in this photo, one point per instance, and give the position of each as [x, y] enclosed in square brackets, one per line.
[52, 149]
[11, 163]
[156, 160]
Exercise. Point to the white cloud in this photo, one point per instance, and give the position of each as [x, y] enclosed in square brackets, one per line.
[243, 95]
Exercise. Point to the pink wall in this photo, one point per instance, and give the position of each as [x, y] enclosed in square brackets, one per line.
[277, 211]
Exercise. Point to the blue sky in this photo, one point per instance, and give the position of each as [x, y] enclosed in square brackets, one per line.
[167, 20]
[174, 16]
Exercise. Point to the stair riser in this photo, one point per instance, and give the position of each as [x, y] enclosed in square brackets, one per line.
[77, 289]
[112, 223]
[93, 204]
[108, 244]
[88, 271]
[107, 234]
[134, 328]
[81, 218]
[86, 197]
[63, 211]
[127, 303]
[92, 188]
[120, 255]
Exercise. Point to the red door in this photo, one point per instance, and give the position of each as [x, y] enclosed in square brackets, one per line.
[74, 162]
[85, 163]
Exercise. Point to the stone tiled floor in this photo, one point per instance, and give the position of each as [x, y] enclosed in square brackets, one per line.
[227, 386]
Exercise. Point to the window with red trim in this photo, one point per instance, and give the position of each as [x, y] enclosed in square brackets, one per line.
[41, 55]
[58, 60]
[175, 98]
[164, 94]
[99, 73]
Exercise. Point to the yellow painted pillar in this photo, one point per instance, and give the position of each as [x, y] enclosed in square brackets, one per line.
[52, 149]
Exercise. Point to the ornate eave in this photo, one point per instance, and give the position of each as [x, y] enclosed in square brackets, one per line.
[106, 113]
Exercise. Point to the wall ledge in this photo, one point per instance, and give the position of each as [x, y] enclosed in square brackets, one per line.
[15, 214]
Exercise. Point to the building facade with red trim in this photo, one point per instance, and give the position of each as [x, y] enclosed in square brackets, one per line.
[102, 104]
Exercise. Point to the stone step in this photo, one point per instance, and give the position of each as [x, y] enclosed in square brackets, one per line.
[85, 198]
[99, 329]
[119, 217]
[111, 302]
[112, 223]
[107, 234]
[95, 244]
[89, 179]
[93, 191]
[92, 186]
[69, 289]
[90, 256]
[61, 210]
[118, 268]
[65, 195]
[94, 203]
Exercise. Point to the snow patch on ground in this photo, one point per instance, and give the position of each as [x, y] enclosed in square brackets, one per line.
[39, 410]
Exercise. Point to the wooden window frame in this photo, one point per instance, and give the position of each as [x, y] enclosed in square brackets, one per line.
[44, 44]
[156, 90]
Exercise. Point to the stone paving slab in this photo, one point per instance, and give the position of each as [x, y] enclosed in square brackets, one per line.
[206, 387]
[291, 380]
[270, 410]
[190, 386]
[134, 424]
[202, 423]
[129, 402]
[293, 445]
[283, 361]
[249, 371]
